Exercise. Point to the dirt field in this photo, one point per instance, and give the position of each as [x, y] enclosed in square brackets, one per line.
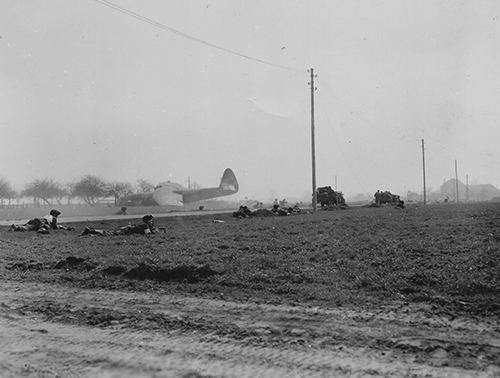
[359, 292]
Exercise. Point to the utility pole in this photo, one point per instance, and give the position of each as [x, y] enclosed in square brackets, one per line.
[423, 170]
[467, 187]
[456, 180]
[335, 182]
[313, 148]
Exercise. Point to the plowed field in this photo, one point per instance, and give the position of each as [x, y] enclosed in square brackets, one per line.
[358, 292]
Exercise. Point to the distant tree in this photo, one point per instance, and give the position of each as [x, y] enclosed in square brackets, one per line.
[145, 186]
[119, 189]
[90, 188]
[6, 191]
[70, 191]
[43, 189]
[63, 192]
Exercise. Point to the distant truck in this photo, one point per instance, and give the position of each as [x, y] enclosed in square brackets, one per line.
[382, 198]
[328, 197]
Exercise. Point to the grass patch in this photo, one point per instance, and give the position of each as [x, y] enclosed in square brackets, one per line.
[444, 254]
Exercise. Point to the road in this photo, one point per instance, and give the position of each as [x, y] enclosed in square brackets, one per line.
[50, 330]
[64, 220]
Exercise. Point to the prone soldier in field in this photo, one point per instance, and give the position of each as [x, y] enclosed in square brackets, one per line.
[52, 218]
[147, 227]
[277, 210]
[35, 224]
[243, 212]
[42, 225]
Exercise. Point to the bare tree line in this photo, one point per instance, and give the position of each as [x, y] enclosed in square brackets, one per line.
[90, 189]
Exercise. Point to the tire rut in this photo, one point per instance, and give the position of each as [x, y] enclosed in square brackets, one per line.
[164, 335]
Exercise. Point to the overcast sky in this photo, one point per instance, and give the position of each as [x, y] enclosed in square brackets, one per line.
[87, 89]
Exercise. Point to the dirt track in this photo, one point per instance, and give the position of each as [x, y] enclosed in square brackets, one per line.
[50, 330]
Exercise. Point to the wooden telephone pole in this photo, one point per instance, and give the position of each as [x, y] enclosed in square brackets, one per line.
[456, 180]
[467, 187]
[423, 170]
[313, 148]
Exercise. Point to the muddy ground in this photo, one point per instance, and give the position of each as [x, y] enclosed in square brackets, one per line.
[358, 292]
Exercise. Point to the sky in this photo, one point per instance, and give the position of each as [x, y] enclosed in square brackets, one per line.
[194, 87]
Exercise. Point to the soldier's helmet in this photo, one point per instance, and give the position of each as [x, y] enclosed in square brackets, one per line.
[147, 218]
[55, 213]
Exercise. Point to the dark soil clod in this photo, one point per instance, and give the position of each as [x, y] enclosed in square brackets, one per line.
[189, 273]
[72, 262]
[115, 270]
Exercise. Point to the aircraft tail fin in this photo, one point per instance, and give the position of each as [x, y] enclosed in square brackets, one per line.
[228, 185]
[228, 181]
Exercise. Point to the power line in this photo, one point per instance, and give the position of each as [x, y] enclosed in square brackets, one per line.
[187, 36]
[342, 154]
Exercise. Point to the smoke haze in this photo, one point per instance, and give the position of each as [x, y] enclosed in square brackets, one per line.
[86, 89]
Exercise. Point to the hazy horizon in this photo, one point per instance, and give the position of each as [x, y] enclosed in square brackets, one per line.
[87, 89]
